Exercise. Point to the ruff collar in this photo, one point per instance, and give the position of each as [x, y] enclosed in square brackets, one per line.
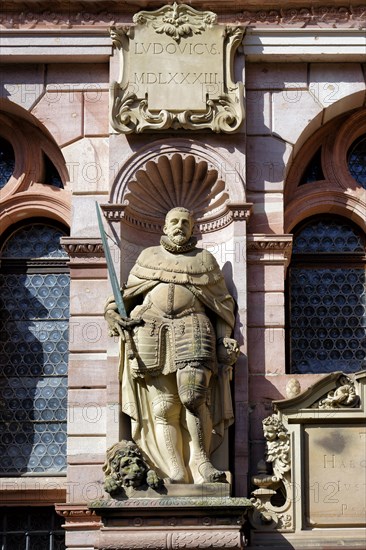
[176, 248]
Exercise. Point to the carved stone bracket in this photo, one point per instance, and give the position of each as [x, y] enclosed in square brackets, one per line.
[78, 516]
[160, 85]
[269, 249]
[86, 256]
[80, 248]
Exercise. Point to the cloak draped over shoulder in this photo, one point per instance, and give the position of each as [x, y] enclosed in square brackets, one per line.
[197, 270]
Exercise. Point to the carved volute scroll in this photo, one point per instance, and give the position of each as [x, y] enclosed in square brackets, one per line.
[176, 72]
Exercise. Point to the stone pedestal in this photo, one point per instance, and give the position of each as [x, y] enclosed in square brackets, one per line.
[168, 522]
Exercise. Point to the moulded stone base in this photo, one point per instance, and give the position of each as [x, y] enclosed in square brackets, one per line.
[202, 490]
[169, 522]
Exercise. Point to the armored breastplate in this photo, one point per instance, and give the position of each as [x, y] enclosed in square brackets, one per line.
[174, 300]
[176, 331]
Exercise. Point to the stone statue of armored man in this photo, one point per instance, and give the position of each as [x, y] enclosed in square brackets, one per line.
[178, 354]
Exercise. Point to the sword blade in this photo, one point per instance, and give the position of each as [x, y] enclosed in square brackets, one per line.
[110, 266]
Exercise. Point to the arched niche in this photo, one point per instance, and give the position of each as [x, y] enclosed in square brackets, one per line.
[198, 177]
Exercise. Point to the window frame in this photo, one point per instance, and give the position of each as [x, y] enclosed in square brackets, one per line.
[26, 266]
[321, 260]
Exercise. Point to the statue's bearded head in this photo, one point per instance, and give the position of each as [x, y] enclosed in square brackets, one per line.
[179, 225]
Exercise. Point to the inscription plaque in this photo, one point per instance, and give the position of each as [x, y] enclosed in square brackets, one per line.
[336, 475]
[176, 72]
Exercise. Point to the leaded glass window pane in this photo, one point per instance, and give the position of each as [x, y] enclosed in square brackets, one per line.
[26, 528]
[7, 161]
[34, 312]
[327, 300]
[357, 160]
[34, 241]
[328, 319]
[327, 236]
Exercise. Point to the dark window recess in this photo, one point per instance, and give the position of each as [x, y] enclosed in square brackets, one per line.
[327, 298]
[7, 161]
[34, 319]
[31, 528]
[52, 177]
[356, 159]
[313, 171]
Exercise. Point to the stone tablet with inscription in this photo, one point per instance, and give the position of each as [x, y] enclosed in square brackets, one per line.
[176, 73]
[336, 475]
[313, 487]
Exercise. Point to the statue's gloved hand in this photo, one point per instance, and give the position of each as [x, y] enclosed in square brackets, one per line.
[227, 351]
[117, 324]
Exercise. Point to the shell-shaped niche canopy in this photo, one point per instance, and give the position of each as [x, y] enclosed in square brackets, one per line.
[170, 181]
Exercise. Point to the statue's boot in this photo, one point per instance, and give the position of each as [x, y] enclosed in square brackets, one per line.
[210, 474]
[200, 428]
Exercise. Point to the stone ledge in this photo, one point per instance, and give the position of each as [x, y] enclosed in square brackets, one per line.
[171, 522]
[172, 503]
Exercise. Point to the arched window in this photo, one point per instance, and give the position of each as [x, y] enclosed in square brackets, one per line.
[7, 161]
[34, 312]
[356, 160]
[326, 316]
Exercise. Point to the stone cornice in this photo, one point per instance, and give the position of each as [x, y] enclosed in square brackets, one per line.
[74, 510]
[78, 517]
[28, 14]
[82, 247]
[233, 212]
[270, 242]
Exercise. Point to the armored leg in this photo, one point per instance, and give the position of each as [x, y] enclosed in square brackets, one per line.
[167, 407]
[193, 386]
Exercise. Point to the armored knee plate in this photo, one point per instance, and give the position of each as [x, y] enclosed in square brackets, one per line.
[192, 396]
[166, 408]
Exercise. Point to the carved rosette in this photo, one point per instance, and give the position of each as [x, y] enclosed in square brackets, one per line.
[158, 61]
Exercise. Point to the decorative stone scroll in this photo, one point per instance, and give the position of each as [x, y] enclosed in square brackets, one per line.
[176, 72]
[314, 473]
